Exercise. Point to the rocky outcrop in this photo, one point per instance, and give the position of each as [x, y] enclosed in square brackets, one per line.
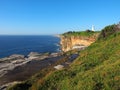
[19, 67]
[15, 60]
[76, 42]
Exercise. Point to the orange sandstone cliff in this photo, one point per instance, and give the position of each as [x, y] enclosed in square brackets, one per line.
[72, 42]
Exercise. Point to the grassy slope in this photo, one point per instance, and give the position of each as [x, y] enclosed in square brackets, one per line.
[97, 68]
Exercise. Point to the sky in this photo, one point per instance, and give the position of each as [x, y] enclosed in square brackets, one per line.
[43, 17]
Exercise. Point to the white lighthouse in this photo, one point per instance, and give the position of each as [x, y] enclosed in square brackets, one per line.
[93, 29]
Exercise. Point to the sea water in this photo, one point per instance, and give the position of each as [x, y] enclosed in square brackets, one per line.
[24, 44]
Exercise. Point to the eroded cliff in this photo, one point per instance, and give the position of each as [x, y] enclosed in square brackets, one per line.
[77, 40]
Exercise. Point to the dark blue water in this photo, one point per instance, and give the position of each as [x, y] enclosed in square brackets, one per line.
[25, 44]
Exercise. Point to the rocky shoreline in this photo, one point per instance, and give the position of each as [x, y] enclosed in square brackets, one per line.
[19, 67]
[9, 63]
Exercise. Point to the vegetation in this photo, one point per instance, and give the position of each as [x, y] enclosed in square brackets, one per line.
[109, 30]
[96, 68]
[80, 33]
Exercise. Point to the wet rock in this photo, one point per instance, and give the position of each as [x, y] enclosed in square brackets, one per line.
[17, 56]
[37, 56]
[9, 63]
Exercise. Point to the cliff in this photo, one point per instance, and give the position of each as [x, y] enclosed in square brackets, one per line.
[96, 68]
[77, 40]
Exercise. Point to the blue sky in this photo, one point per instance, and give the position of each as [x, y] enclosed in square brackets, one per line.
[36, 17]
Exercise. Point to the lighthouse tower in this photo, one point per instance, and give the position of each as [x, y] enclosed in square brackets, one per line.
[93, 29]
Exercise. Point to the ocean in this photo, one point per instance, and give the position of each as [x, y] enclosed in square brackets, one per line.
[24, 44]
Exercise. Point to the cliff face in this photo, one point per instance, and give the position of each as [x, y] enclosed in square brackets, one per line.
[72, 42]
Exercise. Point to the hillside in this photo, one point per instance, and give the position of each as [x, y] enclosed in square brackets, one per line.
[96, 68]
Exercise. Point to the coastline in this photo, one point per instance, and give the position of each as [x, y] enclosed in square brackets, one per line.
[31, 65]
[9, 64]
[16, 68]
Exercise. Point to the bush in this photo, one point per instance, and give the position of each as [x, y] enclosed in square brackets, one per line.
[108, 31]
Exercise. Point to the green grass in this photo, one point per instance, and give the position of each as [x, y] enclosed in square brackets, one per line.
[96, 68]
[81, 33]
